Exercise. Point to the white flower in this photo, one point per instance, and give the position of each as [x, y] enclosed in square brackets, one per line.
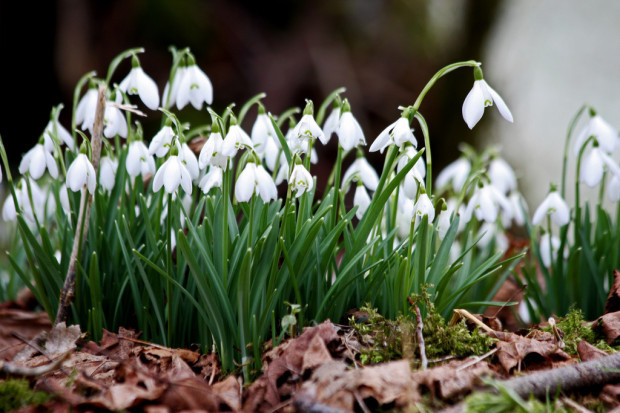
[262, 132]
[172, 174]
[188, 158]
[361, 169]
[160, 145]
[349, 132]
[86, 108]
[194, 87]
[457, 173]
[211, 152]
[138, 160]
[81, 173]
[361, 199]
[605, 134]
[235, 139]
[114, 121]
[169, 96]
[107, 172]
[213, 179]
[549, 247]
[300, 180]
[139, 83]
[307, 128]
[593, 166]
[414, 178]
[62, 133]
[254, 178]
[272, 151]
[424, 206]
[64, 199]
[502, 176]
[519, 210]
[330, 125]
[398, 133]
[479, 97]
[488, 232]
[554, 206]
[443, 223]
[613, 188]
[485, 203]
[36, 160]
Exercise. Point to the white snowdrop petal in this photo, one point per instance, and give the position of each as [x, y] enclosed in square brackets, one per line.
[501, 105]
[473, 106]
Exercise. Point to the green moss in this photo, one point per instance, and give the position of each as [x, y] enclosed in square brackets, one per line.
[384, 340]
[506, 400]
[16, 393]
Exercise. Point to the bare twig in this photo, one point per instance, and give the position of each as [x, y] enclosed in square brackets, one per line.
[17, 370]
[418, 331]
[477, 359]
[68, 289]
[470, 317]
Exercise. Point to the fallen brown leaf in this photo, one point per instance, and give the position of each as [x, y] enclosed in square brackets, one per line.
[25, 323]
[541, 351]
[609, 325]
[588, 352]
[613, 298]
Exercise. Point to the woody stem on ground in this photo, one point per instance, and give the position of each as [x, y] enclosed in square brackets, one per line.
[68, 289]
[418, 330]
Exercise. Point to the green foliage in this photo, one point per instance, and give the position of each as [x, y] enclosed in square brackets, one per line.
[16, 394]
[507, 401]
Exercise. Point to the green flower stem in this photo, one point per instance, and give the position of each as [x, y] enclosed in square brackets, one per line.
[438, 75]
[286, 115]
[336, 183]
[76, 97]
[320, 115]
[177, 58]
[169, 271]
[9, 176]
[118, 59]
[244, 109]
[427, 145]
[577, 217]
[226, 191]
[571, 128]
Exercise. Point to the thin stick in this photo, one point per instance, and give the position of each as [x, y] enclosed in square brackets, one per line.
[68, 289]
[17, 370]
[477, 359]
[418, 331]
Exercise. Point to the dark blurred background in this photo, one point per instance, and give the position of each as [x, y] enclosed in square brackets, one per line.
[383, 52]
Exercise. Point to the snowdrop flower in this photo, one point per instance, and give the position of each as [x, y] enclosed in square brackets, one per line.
[443, 222]
[613, 189]
[139, 83]
[307, 128]
[331, 124]
[554, 206]
[489, 232]
[61, 133]
[457, 172]
[160, 145]
[81, 173]
[138, 160]
[172, 174]
[300, 180]
[64, 199]
[36, 160]
[479, 97]
[485, 203]
[255, 179]
[605, 134]
[188, 158]
[235, 139]
[194, 86]
[169, 96]
[272, 151]
[361, 199]
[86, 108]
[349, 131]
[502, 176]
[414, 179]
[518, 210]
[114, 121]
[424, 206]
[107, 172]
[593, 166]
[262, 132]
[360, 169]
[549, 247]
[213, 179]
[211, 152]
[397, 133]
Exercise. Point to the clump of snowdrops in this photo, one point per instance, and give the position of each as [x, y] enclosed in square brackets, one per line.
[207, 233]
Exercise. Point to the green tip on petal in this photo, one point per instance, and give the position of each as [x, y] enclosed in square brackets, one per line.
[174, 149]
[215, 127]
[134, 61]
[190, 59]
[553, 187]
[233, 119]
[261, 109]
[309, 109]
[592, 112]
[346, 106]
[478, 73]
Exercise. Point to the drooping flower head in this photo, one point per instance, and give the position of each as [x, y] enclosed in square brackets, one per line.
[455, 173]
[107, 172]
[211, 152]
[300, 180]
[398, 133]
[605, 134]
[349, 131]
[37, 160]
[554, 206]
[194, 86]
[307, 128]
[263, 134]
[361, 170]
[138, 160]
[255, 179]
[235, 139]
[212, 179]
[173, 173]
[479, 97]
[160, 144]
[139, 83]
[81, 173]
[361, 199]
